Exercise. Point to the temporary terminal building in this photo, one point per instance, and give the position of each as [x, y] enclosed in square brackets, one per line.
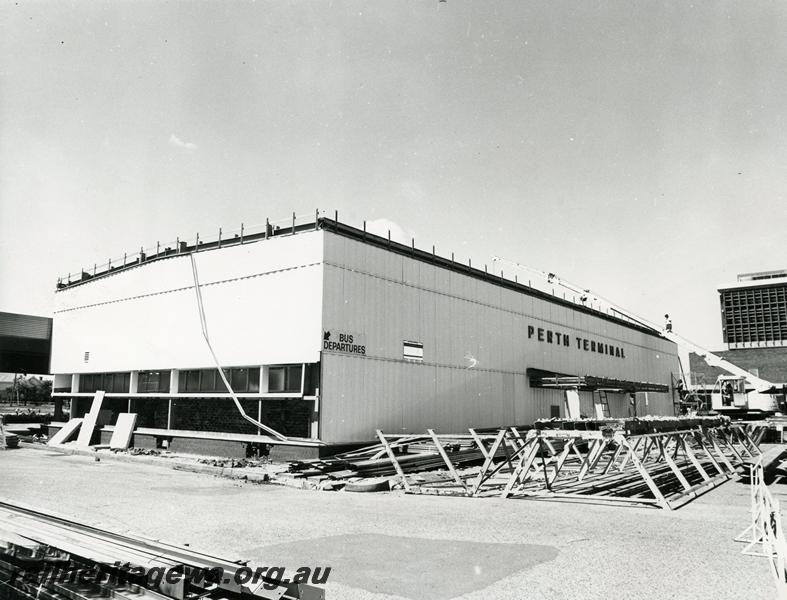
[327, 333]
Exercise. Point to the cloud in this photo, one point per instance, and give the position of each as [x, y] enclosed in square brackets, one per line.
[179, 143]
[382, 226]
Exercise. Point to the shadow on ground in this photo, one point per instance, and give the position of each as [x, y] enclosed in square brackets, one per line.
[414, 568]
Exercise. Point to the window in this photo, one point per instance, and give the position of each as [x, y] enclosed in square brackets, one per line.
[413, 351]
[244, 380]
[117, 383]
[151, 382]
[285, 379]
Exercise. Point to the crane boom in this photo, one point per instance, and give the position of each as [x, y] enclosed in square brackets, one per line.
[759, 384]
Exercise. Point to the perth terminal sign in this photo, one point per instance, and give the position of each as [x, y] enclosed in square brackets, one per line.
[549, 336]
[341, 341]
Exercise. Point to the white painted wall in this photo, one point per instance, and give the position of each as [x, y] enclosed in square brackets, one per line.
[263, 303]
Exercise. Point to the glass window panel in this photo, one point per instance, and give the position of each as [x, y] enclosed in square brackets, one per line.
[254, 381]
[239, 380]
[276, 376]
[192, 381]
[294, 378]
[207, 381]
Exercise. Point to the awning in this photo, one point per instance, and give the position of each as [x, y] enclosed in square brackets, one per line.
[544, 379]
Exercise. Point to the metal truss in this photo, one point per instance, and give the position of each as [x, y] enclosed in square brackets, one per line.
[673, 462]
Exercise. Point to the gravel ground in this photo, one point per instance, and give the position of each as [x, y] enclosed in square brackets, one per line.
[416, 547]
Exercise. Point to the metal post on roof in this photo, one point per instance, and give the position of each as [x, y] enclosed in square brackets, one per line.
[293, 222]
[177, 245]
[109, 264]
[158, 247]
[94, 269]
[219, 237]
[413, 245]
[364, 230]
[241, 233]
[196, 243]
[452, 257]
[316, 218]
[389, 238]
[516, 279]
[485, 271]
[501, 275]
[69, 277]
[470, 262]
[267, 227]
[124, 259]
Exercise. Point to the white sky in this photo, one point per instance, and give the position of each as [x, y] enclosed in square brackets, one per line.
[635, 148]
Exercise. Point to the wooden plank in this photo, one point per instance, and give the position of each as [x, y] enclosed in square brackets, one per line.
[395, 463]
[124, 429]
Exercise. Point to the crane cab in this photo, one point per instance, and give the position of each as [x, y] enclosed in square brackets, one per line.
[730, 395]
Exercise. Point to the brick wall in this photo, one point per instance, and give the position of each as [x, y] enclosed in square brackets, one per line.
[771, 364]
[290, 417]
[151, 412]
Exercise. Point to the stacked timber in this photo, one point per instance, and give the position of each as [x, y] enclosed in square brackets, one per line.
[375, 462]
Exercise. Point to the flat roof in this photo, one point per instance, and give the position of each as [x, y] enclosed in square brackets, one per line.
[762, 275]
[755, 283]
[335, 226]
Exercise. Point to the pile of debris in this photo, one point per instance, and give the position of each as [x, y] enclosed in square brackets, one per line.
[230, 463]
[382, 466]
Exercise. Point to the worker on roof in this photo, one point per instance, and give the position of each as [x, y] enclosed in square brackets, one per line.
[668, 324]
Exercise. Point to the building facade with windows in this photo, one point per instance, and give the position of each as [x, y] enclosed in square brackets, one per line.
[327, 333]
[754, 310]
[754, 329]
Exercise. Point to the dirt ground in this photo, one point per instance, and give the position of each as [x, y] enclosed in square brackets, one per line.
[392, 545]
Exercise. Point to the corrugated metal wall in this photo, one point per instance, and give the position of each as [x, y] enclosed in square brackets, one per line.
[477, 348]
[25, 343]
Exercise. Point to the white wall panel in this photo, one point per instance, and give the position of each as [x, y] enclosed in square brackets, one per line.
[263, 304]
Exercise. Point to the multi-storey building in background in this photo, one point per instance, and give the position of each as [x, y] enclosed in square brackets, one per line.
[754, 310]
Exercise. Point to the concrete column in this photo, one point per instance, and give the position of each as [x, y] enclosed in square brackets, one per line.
[75, 383]
[134, 382]
[174, 381]
[315, 425]
[264, 379]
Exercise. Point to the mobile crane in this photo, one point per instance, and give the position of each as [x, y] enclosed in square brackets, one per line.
[735, 394]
